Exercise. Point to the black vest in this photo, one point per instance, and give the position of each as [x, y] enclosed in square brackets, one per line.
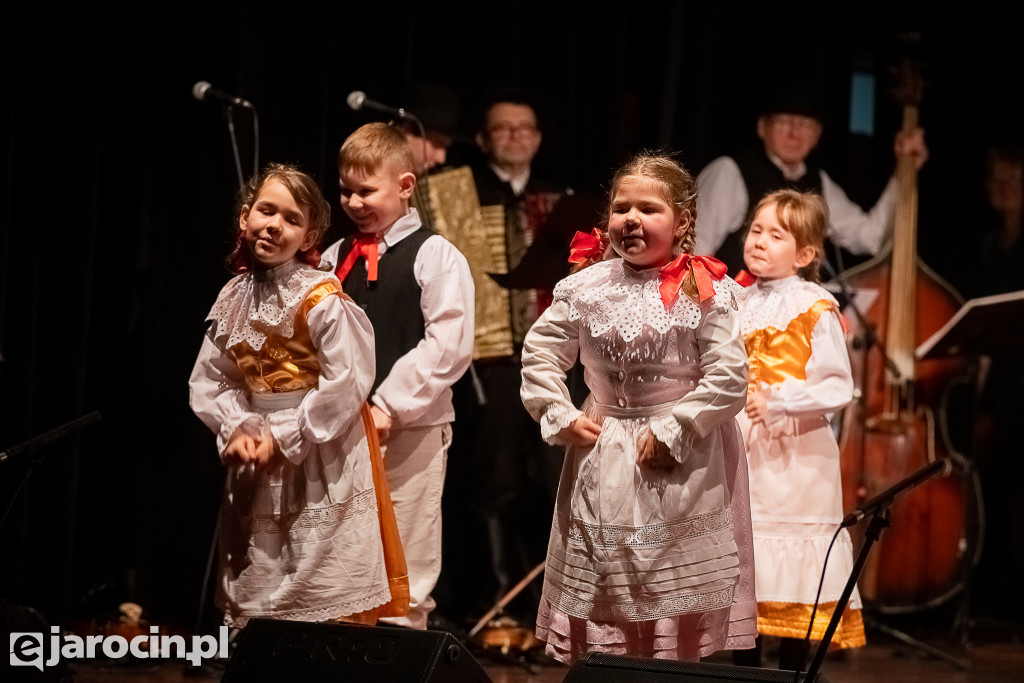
[392, 303]
[761, 177]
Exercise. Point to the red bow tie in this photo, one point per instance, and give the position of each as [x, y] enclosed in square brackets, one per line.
[366, 247]
[704, 269]
[745, 279]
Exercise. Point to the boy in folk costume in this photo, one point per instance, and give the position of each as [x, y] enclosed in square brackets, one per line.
[416, 288]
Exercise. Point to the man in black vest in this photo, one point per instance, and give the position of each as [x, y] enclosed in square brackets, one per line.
[503, 477]
[790, 127]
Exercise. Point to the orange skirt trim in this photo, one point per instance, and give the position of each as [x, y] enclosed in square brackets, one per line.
[394, 555]
[790, 620]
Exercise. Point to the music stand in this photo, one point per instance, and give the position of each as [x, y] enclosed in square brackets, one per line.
[986, 325]
[990, 325]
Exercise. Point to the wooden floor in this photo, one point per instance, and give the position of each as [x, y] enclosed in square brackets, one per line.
[918, 651]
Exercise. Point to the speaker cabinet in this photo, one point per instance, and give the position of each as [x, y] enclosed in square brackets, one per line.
[275, 650]
[602, 668]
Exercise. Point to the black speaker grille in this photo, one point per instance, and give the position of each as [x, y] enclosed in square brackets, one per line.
[274, 651]
[598, 667]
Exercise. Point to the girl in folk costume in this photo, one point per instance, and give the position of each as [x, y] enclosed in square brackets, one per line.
[282, 379]
[799, 375]
[650, 549]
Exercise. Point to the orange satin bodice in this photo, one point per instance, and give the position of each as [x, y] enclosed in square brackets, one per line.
[776, 355]
[284, 364]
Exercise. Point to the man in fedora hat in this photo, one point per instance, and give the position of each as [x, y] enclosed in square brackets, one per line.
[437, 107]
[790, 125]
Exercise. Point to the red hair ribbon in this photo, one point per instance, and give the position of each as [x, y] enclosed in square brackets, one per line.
[586, 246]
[745, 279]
[366, 247]
[311, 256]
[704, 269]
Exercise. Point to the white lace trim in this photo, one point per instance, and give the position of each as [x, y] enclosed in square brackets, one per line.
[775, 304]
[342, 609]
[556, 418]
[250, 423]
[668, 431]
[254, 305]
[612, 296]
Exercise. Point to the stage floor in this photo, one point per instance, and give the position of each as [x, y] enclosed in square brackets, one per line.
[993, 651]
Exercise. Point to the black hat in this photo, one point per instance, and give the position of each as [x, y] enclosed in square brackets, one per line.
[436, 106]
[793, 98]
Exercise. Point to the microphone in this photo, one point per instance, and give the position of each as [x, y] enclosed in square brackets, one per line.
[46, 437]
[883, 499]
[357, 100]
[204, 92]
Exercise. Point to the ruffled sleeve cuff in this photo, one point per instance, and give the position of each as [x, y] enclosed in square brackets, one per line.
[668, 430]
[557, 417]
[284, 428]
[247, 423]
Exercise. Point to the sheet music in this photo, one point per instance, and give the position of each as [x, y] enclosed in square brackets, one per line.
[996, 320]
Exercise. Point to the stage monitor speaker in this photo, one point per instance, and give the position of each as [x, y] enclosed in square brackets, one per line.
[276, 650]
[598, 667]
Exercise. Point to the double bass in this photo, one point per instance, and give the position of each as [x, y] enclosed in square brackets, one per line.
[899, 420]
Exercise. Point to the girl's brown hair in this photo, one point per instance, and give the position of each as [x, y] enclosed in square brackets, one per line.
[679, 189]
[805, 216]
[306, 194]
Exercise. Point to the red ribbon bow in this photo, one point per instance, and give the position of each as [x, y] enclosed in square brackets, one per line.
[366, 247]
[704, 269]
[585, 246]
[745, 279]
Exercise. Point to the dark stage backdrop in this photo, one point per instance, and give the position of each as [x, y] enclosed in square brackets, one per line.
[118, 187]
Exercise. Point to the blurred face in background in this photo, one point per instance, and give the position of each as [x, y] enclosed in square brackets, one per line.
[429, 152]
[510, 137]
[1004, 187]
[790, 137]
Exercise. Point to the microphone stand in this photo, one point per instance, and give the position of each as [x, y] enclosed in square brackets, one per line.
[37, 442]
[409, 116]
[229, 118]
[868, 337]
[878, 509]
[867, 340]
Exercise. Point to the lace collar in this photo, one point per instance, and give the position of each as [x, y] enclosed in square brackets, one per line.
[254, 305]
[613, 296]
[774, 303]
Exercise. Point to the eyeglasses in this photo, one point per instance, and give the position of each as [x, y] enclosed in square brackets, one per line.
[503, 130]
[803, 124]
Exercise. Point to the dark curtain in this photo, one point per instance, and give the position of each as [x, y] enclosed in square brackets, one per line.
[118, 192]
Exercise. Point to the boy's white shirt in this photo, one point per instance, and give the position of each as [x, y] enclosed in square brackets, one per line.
[417, 390]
